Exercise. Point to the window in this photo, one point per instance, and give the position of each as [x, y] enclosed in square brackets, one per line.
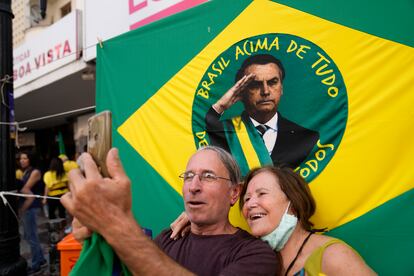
[67, 8]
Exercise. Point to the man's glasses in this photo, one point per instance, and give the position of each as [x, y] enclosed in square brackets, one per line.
[204, 177]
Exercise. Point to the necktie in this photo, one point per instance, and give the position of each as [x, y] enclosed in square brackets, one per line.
[262, 129]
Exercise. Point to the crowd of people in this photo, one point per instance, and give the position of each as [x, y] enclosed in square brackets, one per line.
[52, 184]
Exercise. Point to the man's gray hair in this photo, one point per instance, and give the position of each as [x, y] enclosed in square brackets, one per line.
[228, 161]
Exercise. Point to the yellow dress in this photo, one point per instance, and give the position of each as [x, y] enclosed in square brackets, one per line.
[313, 265]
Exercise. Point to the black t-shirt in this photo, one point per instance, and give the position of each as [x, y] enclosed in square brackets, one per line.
[229, 254]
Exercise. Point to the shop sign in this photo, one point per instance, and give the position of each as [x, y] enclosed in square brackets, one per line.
[54, 47]
[126, 15]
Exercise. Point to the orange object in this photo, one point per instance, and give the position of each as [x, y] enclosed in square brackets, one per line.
[69, 253]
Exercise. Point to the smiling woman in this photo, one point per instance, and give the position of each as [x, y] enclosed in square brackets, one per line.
[277, 204]
[275, 188]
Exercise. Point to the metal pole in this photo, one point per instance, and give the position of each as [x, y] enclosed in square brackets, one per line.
[11, 263]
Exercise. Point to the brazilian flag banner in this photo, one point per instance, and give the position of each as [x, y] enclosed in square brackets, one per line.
[349, 78]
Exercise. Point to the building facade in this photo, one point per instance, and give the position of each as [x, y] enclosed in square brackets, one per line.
[54, 61]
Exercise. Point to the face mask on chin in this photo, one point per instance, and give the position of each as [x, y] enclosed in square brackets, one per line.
[281, 234]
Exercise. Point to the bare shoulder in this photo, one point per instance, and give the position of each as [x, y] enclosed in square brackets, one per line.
[320, 239]
[341, 259]
[36, 173]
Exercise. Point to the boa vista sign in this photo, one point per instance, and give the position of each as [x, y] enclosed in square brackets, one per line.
[54, 47]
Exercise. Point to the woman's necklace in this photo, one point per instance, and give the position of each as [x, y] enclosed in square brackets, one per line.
[297, 255]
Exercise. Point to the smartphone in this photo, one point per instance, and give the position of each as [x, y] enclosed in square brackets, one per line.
[100, 138]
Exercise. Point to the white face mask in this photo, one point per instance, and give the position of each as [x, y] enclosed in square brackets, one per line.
[278, 237]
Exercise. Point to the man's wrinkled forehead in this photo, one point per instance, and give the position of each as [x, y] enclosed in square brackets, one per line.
[204, 160]
[207, 160]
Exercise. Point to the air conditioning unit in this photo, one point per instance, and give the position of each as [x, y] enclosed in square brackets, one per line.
[35, 16]
[37, 11]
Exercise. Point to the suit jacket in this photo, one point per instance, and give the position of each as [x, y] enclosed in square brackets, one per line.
[293, 144]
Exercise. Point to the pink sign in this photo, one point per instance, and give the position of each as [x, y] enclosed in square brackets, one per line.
[146, 11]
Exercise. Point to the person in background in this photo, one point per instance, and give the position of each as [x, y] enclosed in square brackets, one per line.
[19, 173]
[32, 184]
[56, 182]
[68, 165]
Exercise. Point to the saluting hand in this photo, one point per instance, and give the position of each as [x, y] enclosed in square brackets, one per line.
[233, 95]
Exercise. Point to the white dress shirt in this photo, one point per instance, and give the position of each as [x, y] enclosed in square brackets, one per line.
[270, 136]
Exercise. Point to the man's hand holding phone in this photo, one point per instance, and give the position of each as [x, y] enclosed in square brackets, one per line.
[100, 139]
[96, 201]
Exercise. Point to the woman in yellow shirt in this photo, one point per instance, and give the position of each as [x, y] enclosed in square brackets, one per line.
[56, 181]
